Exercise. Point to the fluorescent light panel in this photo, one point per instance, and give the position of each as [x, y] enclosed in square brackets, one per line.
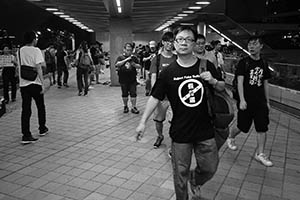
[119, 10]
[51, 9]
[118, 3]
[202, 2]
[188, 11]
[195, 7]
[58, 13]
[182, 15]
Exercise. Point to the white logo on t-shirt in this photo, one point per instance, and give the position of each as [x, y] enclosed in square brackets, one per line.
[193, 86]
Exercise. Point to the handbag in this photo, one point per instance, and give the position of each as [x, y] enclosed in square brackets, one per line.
[27, 72]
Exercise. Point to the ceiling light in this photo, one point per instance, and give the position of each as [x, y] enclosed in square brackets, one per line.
[195, 7]
[118, 3]
[58, 13]
[90, 30]
[69, 18]
[52, 9]
[203, 2]
[187, 24]
[119, 10]
[64, 16]
[188, 11]
[178, 17]
[77, 23]
[182, 15]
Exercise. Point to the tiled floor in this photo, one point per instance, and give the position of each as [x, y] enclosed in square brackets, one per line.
[90, 154]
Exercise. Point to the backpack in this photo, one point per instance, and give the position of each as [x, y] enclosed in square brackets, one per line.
[220, 109]
[235, 92]
[85, 60]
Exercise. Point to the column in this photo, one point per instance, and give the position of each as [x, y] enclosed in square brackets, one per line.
[120, 30]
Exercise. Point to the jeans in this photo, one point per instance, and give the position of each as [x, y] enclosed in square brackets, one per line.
[207, 159]
[82, 73]
[27, 93]
[61, 70]
[8, 75]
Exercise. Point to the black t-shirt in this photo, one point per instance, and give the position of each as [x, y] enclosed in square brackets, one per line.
[186, 93]
[163, 63]
[254, 75]
[60, 58]
[127, 72]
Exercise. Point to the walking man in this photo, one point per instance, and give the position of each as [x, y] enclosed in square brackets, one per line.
[158, 63]
[253, 103]
[191, 127]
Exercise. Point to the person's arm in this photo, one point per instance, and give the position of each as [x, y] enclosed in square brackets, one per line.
[153, 79]
[266, 88]
[150, 107]
[240, 86]
[122, 62]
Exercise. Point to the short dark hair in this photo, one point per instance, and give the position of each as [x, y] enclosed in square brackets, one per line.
[129, 44]
[167, 36]
[29, 37]
[185, 28]
[200, 36]
[254, 38]
[214, 43]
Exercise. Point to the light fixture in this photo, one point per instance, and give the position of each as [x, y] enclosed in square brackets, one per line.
[90, 30]
[48, 29]
[118, 3]
[119, 10]
[188, 11]
[51, 9]
[64, 16]
[187, 24]
[182, 15]
[58, 13]
[69, 18]
[178, 17]
[202, 2]
[195, 7]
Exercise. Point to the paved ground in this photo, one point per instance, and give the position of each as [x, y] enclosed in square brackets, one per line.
[90, 154]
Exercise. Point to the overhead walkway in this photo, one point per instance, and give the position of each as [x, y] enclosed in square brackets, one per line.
[90, 154]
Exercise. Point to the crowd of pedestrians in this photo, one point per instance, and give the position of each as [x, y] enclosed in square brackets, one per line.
[175, 82]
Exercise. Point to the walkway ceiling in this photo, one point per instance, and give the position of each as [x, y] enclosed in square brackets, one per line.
[146, 15]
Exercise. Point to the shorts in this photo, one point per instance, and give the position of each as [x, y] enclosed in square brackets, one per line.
[161, 111]
[128, 89]
[51, 68]
[257, 113]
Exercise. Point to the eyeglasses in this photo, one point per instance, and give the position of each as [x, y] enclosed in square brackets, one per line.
[187, 40]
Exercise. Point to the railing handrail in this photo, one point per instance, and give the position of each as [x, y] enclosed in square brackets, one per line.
[287, 64]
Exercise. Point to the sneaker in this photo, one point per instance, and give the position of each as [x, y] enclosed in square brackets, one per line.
[193, 189]
[158, 141]
[134, 110]
[85, 93]
[231, 144]
[44, 131]
[79, 93]
[28, 140]
[263, 158]
[170, 153]
[59, 86]
[126, 109]
[66, 85]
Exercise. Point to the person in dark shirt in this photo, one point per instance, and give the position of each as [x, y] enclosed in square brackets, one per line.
[126, 66]
[253, 105]
[61, 63]
[191, 126]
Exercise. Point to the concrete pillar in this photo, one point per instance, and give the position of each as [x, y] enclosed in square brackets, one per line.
[201, 28]
[120, 30]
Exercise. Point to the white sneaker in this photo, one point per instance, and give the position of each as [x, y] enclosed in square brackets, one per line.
[263, 158]
[231, 144]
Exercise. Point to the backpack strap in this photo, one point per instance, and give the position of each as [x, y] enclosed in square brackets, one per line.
[157, 64]
[208, 93]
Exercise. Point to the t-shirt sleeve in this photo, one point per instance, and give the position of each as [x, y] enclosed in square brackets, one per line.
[267, 71]
[159, 89]
[39, 57]
[153, 67]
[119, 58]
[240, 70]
[212, 69]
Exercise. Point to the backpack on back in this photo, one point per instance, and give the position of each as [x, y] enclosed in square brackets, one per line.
[85, 60]
[220, 109]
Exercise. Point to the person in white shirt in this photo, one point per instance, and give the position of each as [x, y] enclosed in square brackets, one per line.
[31, 56]
[8, 63]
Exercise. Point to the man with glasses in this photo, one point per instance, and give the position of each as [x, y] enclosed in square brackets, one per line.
[191, 127]
[200, 50]
[158, 63]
